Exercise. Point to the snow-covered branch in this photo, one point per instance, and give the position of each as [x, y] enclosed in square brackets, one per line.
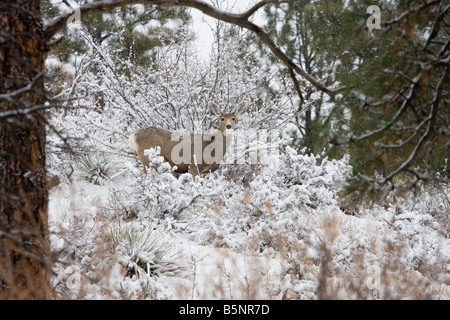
[24, 111]
[241, 20]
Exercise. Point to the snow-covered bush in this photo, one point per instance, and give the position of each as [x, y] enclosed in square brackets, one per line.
[290, 219]
[165, 194]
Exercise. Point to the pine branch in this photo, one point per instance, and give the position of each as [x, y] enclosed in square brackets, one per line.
[425, 136]
[405, 104]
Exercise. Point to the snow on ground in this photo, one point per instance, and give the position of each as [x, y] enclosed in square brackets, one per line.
[279, 236]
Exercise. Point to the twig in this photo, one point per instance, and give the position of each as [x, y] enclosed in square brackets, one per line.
[241, 20]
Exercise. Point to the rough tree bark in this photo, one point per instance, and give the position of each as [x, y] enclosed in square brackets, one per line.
[24, 241]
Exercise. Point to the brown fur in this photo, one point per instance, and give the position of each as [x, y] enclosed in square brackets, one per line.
[152, 137]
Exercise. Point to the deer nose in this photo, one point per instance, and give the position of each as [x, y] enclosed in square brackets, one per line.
[228, 126]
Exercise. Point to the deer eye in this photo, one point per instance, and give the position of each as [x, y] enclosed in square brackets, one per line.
[222, 119]
[234, 118]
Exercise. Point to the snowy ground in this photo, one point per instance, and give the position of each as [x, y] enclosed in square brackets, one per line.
[277, 236]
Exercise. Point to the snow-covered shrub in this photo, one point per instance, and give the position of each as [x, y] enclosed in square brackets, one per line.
[160, 194]
[272, 204]
[173, 93]
[289, 218]
[165, 194]
[144, 250]
[79, 237]
[315, 182]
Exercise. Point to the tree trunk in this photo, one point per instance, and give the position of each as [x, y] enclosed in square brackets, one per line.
[24, 242]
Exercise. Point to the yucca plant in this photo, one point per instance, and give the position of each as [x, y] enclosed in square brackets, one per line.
[97, 168]
[144, 250]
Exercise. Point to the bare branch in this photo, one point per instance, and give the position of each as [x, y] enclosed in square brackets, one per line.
[423, 138]
[403, 143]
[10, 96]
[247, 14]
[414, 9]
[402, 109]
[241, 20]
[106, 5]
[24, 111]
[298, 89]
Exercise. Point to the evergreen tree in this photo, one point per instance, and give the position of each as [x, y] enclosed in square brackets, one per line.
[398, 85]
[302, 29]
[393, 116]
[131, 32]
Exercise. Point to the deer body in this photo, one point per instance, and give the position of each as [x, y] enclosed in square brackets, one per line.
[194, 153]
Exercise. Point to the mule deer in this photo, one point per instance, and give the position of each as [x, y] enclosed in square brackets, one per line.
[201, 152]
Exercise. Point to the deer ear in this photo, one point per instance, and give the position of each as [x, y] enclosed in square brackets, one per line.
[215, 109]
[240, 108]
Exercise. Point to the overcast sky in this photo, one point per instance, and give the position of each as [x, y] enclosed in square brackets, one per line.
[203, 24]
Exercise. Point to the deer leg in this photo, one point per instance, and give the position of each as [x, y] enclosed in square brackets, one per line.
[144, 160]
[193, 171]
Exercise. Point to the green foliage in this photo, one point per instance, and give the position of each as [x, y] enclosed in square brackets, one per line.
[393, 117]
[130, 31]
[397, 79]
[308, 31]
